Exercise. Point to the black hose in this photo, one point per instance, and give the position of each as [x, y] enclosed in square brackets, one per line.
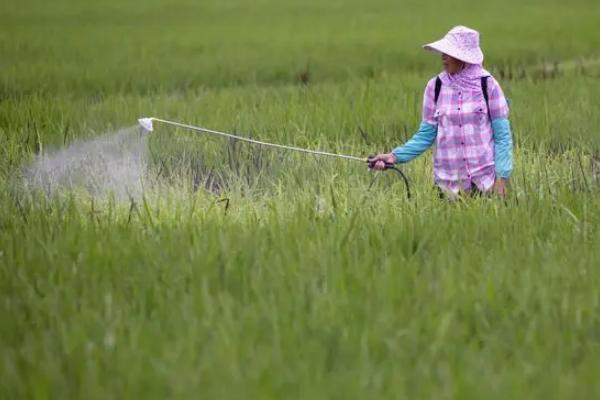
[390, 166]
[404, 178]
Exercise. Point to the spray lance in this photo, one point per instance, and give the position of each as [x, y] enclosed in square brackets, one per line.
[147, 125]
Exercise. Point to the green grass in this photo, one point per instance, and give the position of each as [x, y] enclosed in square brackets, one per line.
[308, 285]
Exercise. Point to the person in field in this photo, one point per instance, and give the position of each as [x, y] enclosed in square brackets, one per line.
[465, 114]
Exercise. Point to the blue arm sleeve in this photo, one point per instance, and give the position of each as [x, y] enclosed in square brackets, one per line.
[503, 147]
[417, 145]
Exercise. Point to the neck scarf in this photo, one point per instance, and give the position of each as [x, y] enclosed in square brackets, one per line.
[469, 78]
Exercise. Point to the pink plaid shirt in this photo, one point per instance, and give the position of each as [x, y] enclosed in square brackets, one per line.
[464, 153]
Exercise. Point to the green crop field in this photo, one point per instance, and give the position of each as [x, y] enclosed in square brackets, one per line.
[246, 272]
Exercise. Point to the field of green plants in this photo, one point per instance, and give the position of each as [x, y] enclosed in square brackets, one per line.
[247, 272]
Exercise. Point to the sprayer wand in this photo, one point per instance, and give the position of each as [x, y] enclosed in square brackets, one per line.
[147, 125]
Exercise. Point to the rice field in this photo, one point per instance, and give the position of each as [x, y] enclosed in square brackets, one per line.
[237, 271]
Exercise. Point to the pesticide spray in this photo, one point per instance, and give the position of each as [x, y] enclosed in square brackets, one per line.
[113, 164]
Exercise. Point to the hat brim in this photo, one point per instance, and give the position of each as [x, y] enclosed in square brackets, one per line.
[444, 47]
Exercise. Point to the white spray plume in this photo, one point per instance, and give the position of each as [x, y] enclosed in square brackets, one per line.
[112, 164]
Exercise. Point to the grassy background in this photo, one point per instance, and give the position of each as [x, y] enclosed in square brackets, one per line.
[307, 285]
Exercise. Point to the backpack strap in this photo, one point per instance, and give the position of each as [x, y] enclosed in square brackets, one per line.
[484, 89]
[438, 88]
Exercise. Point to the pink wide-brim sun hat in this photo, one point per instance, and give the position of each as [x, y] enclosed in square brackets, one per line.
[461, 43]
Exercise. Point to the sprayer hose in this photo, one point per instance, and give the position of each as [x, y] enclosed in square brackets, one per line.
[402, 176]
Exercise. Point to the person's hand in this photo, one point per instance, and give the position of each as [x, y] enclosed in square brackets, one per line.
[500, 186]
[380, 160]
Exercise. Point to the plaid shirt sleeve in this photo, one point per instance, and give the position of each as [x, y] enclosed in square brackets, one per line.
[429, 103]
[498, 103]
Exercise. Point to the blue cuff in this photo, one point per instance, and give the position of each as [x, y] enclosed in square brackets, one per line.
[417, 145]
[503, 147]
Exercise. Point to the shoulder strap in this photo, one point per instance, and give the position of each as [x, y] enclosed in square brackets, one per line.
[484, 89]
[438, 88]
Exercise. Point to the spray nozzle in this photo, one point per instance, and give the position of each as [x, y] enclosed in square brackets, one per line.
[146, 124]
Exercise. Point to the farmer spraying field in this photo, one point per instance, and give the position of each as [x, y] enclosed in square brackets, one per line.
[241, 244]
[465, 114]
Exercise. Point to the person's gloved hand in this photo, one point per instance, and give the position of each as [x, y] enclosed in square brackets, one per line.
[380, 160]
